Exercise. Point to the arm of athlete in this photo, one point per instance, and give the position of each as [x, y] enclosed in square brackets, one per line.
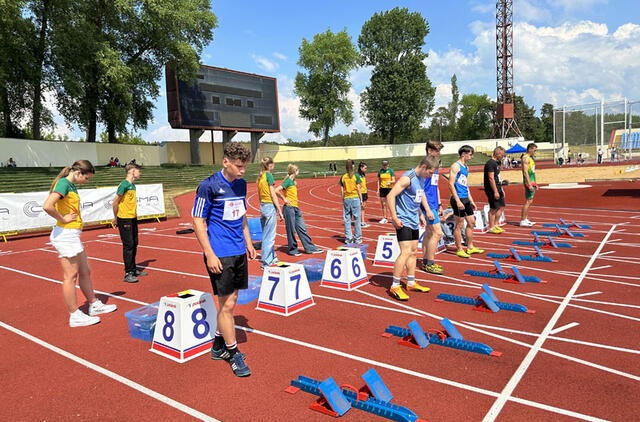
[247, 238]
[49, 207]
[453, 172]
[276, 202]
[116, 207]
[525, 173]
[280, 193]
[401, 185]
[200, 228]
[492, 182]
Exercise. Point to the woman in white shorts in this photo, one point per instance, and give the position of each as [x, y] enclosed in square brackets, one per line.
[63, 204]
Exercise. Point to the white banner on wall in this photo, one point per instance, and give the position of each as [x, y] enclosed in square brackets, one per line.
[20, 211]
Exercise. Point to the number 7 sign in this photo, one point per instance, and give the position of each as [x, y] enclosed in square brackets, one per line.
[284, 289]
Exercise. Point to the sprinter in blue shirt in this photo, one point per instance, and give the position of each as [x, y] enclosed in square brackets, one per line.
[221, 228]
[404, 201]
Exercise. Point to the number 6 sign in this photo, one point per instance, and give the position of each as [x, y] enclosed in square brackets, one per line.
[284, 289]
[344, 269]
[186, 325]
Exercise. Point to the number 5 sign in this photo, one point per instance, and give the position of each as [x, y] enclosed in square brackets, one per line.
[284, 289]
[186, 325]
[344, 269]
[387, 251]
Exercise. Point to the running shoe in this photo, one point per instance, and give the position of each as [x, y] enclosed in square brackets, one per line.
[383, 221]
[80, 319]
[223, 354]
[97, 308]
[526, 223]
[495, 230]
[530, 222]
[317, 251]
[238, 365]
[140, 273]
[295, 254]
[364, 225]
[474, 250]
[416, 287]
[501, 229]
[130, 278]
[433, 269]
[399, 294]
[462, 254]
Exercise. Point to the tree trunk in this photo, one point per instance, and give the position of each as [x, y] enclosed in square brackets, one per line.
[37, 83]
[92, 89]
[392, 136]
[326, 136]
[111, 131]
[6, 112]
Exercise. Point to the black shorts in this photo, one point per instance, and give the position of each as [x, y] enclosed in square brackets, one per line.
[365, 196]
[405, 234]
[234, 275]
[384, 192]
[468, 209]
[494, 203]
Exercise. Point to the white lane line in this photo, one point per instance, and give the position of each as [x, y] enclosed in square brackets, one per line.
[353, 302]
[607, 253]
[601, 268]
[153, 247]
[587, 294]
[517, 376]
[119, 378]
[564, 339]
[563, 328]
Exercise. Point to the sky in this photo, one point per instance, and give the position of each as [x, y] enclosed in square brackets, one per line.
[566, 52]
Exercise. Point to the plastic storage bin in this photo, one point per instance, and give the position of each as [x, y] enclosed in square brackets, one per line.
[142, 321]
[249, 295]
[363, 249]
[255, 229]
[313, 267]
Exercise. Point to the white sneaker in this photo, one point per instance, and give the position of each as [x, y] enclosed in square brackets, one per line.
[364, 225]
[80, 319]
[383, 221]
[531, 223]
[525, 223]
[98, 307]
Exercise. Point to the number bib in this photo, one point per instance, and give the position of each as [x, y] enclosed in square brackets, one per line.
[419, 194]
[435, 179]
[462, 180]
[234, 210]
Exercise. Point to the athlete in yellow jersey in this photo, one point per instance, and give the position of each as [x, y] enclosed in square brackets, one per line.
[269, 208]
[362, 170]
[351, 203]
[293, 216]
[529, 181]
[63, 204]
[126, 219]
[386, 179]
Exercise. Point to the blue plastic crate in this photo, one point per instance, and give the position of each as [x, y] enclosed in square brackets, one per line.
[255, 229]
[313, 267]
[249, 295]
[363, 249]
[142, 321]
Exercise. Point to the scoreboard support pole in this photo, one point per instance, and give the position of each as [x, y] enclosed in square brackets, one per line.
[227, 136]
[255, 145]
[194, 145]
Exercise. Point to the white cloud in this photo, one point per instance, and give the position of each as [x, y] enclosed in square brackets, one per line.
[575, 4]
[526, 11]
[279, 55]
[264, 63]
[483, 7]
[166, 133]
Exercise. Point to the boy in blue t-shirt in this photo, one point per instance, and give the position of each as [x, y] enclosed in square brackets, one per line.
[221, 228]
[433, 231]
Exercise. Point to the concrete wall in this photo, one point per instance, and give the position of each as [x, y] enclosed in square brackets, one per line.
[32, 153]
[179, 152]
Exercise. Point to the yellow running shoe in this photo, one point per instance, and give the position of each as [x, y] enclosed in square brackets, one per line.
[462, 254]
[399, 294]
[433, 269]
[474, 250]
[415, 287]
[501, 229]
[495, 230]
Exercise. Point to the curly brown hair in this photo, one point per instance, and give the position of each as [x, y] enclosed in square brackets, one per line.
[237, 151]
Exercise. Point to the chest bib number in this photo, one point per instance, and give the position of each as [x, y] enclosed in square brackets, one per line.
[418, 198]
[462, 180]
[434, 179]
[234, 210]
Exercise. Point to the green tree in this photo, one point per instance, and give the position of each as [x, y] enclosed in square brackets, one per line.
[323, 89]
[452, 108]
[476, 118]
[400, 94]
[528, 122]
[547, 122]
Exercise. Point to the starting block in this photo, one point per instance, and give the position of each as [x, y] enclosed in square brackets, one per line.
[448, 337]
[374, 397]
[481, 222]
[485, 212]
[514, 256]
[185, 326]
[538, 242]
[485, 302]
[560, 231]
[284, 289]
[569, 225]
[500, 274]
[344, 269]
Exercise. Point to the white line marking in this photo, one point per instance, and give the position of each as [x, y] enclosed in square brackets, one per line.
[607, 253]
[563, 328]
[126, 381]
[601, 268]
[517, 376]
[385, 308]
[587, 294]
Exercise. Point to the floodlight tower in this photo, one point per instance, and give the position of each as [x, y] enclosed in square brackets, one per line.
[505, 121]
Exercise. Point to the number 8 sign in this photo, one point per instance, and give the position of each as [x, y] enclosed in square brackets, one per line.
[344, 269]
[185, 326]
[284, 289]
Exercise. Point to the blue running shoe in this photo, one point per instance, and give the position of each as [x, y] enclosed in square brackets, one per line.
[223, 354]
[239, 367]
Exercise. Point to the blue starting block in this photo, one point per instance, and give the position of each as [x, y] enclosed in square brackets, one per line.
[565, 225]
[514, 256]
[374, 397]
[255, 229]
[447, 337]
[500, 274]
[486, 302]
[537, 242]
[562, 232]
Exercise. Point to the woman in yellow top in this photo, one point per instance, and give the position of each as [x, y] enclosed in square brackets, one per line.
[269, 207]
[386, 179]
[351, 203]
[529, 182]
[63, 204]
[362, 169]
[293, 220]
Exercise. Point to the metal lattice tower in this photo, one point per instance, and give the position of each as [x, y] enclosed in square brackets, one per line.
[505, 121]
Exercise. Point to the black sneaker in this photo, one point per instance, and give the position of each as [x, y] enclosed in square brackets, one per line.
[140, 273]
[223, 354]
[239, 367]
[130, 278]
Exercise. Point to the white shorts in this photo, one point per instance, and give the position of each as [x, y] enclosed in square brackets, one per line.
[66, 241]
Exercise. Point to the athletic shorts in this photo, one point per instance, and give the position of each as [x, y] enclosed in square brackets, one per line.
[234, 275]
[66, 241]
[405, 234]
[384, 192]
[365, 196]
[468, 209]
[529, 194]
[494, 203]
[436, 217]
